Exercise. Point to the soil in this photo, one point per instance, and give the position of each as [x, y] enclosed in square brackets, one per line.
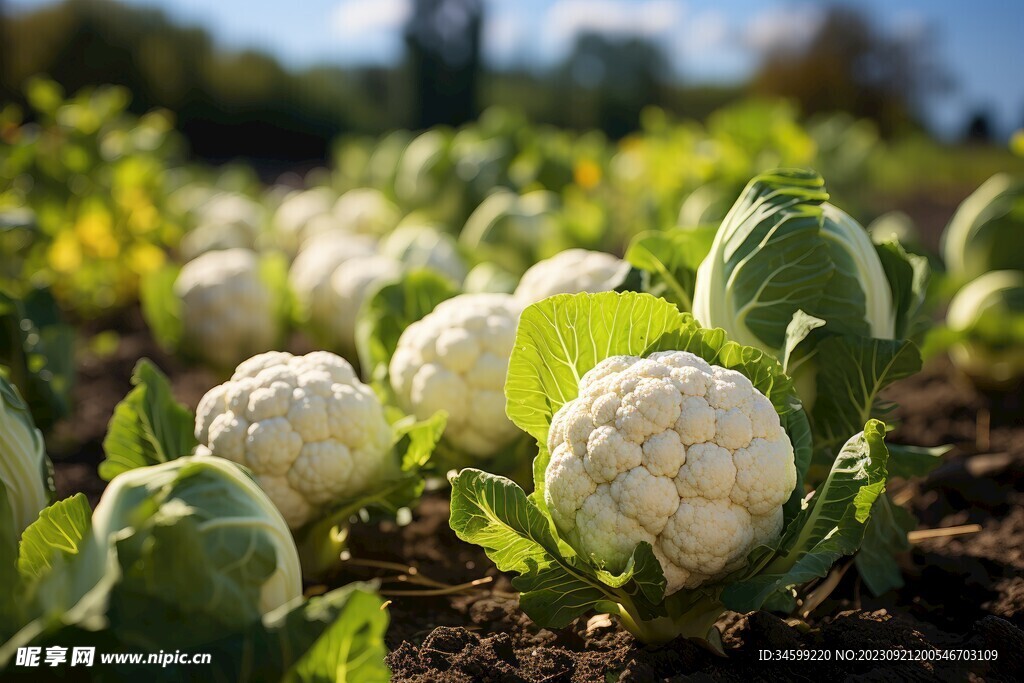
[962, 592]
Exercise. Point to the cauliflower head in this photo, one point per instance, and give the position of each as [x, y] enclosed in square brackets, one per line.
[424, 246]
[309, 430]
[351, 284]
[227, 311]
[366, 210]
[455, 359]
[570, 272]
[670, 450]
[311, 271]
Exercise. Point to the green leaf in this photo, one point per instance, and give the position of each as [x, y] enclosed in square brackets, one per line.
[350, 649]
[562, 337]
[273, 273]
[831, 526]
[387, 313]
[495, 514]
[417, 439]
[915, 461]
[884, 538]
[148, 426]
[553, 597]
[908, 275]
[671, 259]
[798, 330]
[161, 307]
[54, 538]
[10, 609]
[37, 354]
[851, 374]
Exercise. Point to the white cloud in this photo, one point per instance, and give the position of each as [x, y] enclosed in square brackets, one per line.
[781, 26]
[357, 18]
[505, 34]
[567, 19]
[705, 32]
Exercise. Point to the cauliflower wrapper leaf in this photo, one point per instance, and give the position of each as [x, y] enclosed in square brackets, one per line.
[671, 451]
[309, 430]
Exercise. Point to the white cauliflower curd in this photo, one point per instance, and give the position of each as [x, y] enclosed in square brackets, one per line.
[227, 311]
[309, 430]
[455, 359]
[570, 272]
[670, 450]
[311, 277]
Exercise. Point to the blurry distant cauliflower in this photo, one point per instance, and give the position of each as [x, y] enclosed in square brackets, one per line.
[455, 359]
[296, 212]
[227, 311]
[309, 430]
[365, 210]
[570, 272]
[310, 273]
[227, 220]
[423, 246]
[670, 450]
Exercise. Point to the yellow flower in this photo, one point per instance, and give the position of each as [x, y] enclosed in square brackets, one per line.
[145, 258]
[96, 234]
[1017, 143]
[65, 255]
[587, 174]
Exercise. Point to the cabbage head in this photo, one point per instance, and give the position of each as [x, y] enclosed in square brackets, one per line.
[25, 471]
[987, 231]
[199, 534]
[800, 279]
[987, 319]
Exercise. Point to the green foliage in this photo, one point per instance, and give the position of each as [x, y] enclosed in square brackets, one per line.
[37, 354]
[671, 259]
[387, 313]
[148, 427]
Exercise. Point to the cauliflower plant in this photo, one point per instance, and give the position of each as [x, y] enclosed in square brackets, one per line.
[311, 277]
[227, 311]
[366, 210]
[310, 431]
[670, 450]
[297, 210]
[424, 246]
[569, 272]
[455, 359]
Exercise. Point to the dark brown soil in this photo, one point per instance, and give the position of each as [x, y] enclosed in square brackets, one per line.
[962, 591]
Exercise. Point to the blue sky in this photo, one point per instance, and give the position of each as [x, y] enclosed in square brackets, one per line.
[979, 41]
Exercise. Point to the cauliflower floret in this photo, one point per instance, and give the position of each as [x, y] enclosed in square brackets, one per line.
[455, 359]
[670, 450]
[569, 272]
[423, 246]
[227, 312]
[310, 431]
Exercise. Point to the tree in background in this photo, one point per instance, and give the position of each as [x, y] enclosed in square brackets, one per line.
[443, 52]
[849, 64]
[609, 81]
